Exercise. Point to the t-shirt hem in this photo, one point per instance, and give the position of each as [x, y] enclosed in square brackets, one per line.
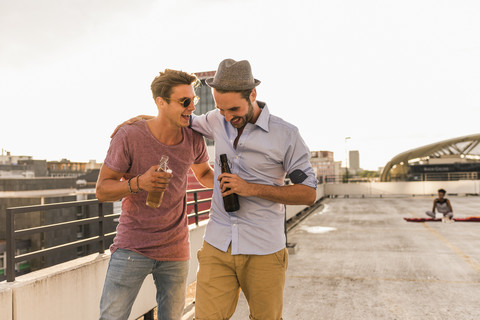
[113, 249]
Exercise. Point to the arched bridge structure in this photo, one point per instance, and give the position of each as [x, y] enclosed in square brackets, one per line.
[397, 169]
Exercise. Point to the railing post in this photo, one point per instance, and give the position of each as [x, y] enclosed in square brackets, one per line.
[101, 233]
[85, 228]
[10, 228]
[195, 198]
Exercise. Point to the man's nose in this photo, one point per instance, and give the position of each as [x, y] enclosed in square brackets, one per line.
[228, 117]
[191, 107]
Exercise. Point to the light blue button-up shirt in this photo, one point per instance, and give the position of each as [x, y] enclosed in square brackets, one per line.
[266, 152]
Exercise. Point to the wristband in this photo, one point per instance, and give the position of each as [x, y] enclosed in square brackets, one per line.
[129, 187]
[138, 186]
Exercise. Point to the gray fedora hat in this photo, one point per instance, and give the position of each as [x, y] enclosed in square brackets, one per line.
[233, 76]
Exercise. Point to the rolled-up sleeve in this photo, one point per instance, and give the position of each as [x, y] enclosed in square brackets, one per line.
[297, 162]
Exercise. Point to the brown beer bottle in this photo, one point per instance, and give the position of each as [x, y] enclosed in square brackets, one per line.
[231, 201]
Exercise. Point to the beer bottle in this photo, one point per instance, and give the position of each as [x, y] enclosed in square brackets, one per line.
[154, 199]
[231, 201]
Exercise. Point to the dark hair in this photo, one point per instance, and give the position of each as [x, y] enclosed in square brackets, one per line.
[244, 93]
[442, 191]
[163, 84]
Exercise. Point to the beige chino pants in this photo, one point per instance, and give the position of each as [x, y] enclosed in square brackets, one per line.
[221, 275]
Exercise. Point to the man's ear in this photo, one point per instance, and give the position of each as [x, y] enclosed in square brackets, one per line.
[253, 95]
[160, 102]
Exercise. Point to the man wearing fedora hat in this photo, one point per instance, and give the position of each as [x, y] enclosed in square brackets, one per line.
[245, 249]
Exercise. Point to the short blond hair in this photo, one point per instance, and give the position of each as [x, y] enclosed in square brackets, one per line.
[163, 84]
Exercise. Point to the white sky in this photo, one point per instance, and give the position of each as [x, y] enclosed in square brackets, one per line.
[392, 75]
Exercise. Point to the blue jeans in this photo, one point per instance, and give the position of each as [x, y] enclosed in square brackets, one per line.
[125, 275]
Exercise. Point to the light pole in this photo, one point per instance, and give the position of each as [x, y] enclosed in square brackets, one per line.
[346, 159]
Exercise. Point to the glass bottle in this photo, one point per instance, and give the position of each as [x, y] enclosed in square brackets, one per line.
[154, 199]
[231, 201]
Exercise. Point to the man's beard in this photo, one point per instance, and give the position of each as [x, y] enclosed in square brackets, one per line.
[245, 119]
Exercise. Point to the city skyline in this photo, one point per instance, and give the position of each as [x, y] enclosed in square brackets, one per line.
[5, 154]
[392, 76]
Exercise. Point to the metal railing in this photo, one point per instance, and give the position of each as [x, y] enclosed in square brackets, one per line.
[99, 238]
[196, 202]
[449, 176]
[13, 235]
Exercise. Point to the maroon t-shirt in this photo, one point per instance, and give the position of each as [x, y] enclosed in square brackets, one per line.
[161, 233]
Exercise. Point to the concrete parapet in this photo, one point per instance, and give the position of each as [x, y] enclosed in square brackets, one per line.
[374, 189]
[196, 241]
[69, 290]
[72, 290]
[6, 302]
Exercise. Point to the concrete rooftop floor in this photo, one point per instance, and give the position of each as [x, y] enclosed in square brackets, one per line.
[357, 258]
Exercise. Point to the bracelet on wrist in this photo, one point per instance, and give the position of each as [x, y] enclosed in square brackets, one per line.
[129, 187]
[138, 185]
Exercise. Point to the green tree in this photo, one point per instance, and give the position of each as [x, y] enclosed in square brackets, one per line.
[368, 174]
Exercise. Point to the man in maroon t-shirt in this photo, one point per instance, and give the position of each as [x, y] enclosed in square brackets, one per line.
[153, 240]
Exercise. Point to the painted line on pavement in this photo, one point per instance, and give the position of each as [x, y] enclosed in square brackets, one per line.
[475, 266]
[471, 262]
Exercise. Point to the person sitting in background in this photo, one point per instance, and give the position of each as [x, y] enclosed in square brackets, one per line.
[443, 206]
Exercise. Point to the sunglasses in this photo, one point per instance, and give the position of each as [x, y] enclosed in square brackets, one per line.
[186, 101]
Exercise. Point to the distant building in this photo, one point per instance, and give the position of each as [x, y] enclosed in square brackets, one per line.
[206, 102]
[452, 159]
[17, 167]
[21, 166]
[444, 168]
[326, 169]
[354, 161]
[86, 173]
[24, 169]
[7, 158]
[93, 165]
[66, 168]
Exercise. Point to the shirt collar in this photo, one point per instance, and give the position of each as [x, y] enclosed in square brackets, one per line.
[264, 117]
